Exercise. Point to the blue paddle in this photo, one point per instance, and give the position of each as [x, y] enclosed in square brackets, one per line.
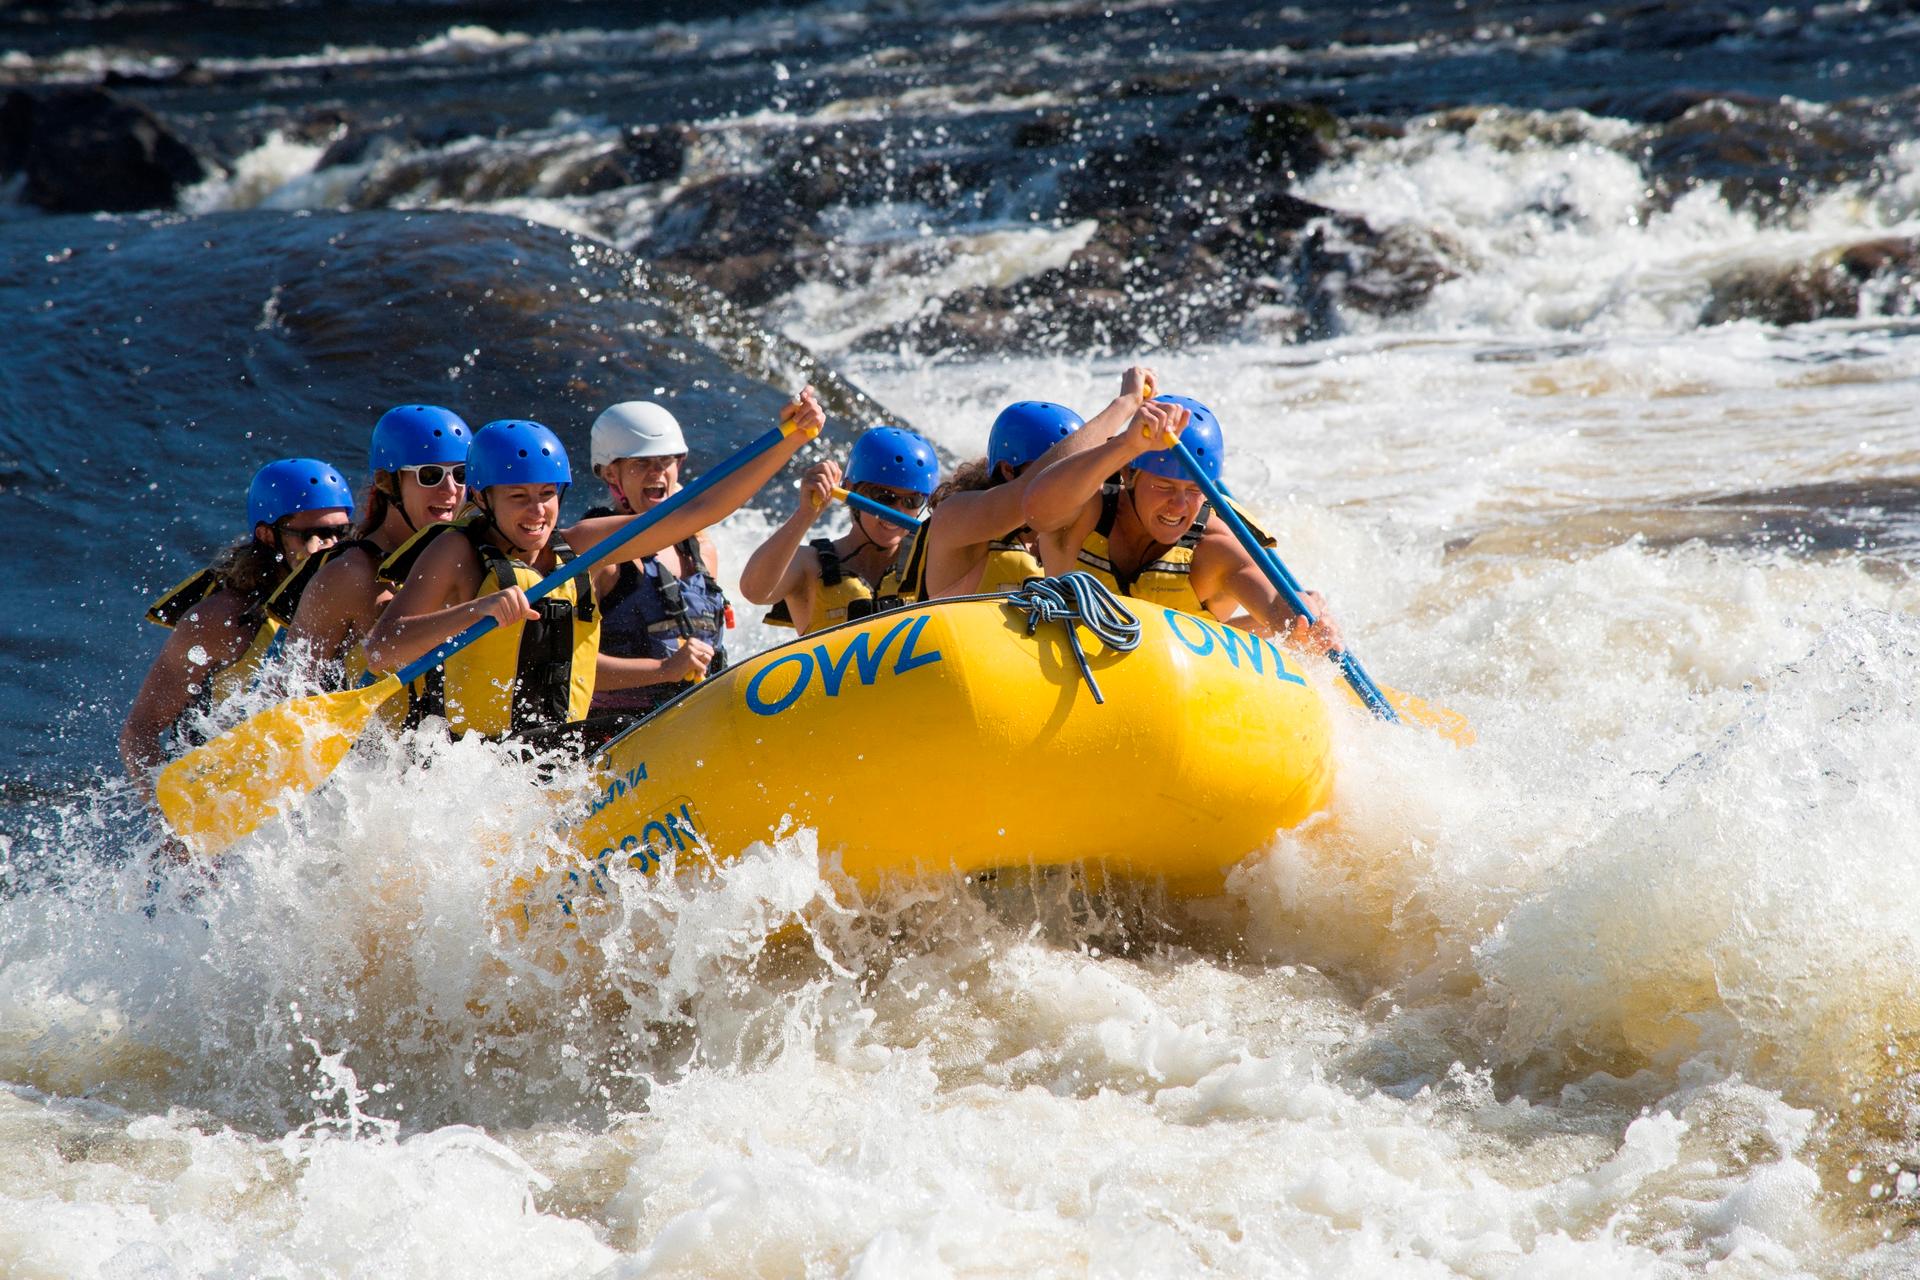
[1283, 581]
[860, 502]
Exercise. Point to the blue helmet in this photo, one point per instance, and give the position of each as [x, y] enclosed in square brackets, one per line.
[1202, 436]
[516, 451]
[894, 458]
[292, 485]
[418, 435]
[1028, 429]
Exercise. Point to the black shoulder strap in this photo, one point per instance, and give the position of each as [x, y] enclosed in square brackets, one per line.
[1109, 509]
[830, 570]
[492, 559]
[1260, 534]
[672, 598]
[181, 598]
[583, 593]
[397, 566]
[913, 573]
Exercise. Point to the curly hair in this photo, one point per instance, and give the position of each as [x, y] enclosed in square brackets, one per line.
[251, 570]
[968, 477]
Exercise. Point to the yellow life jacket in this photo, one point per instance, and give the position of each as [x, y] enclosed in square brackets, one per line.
[514, 680]
[182, 599]
[839, 596]
[1165, 580]
[1009, 563]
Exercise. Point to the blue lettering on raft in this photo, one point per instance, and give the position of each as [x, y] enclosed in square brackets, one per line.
[670, 832]
[621, 784]
[1212, 637]
[860, 656]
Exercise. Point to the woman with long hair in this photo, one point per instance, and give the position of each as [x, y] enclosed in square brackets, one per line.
[218, 618]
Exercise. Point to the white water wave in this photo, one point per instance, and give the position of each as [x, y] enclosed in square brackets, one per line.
[1552, 226]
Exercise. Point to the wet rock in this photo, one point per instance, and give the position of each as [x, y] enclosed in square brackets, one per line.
[1780, 295]
[740, 234]
[1195, 227]
[357, 145]
[1872, 277]
[1762, 153]
[942, 183]
[1895, 259]
[1288, 137]
[1378, 272]
[1048, 129]
[91, 151]
[329, 125]
[646, 154]
[835, 167]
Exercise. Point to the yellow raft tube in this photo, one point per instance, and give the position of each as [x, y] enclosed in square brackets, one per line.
[946, 738]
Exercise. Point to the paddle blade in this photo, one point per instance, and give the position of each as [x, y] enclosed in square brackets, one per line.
[219, 792]
[1445, 721]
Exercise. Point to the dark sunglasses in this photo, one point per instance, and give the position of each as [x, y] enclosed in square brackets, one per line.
[322, 533]
[433, 473]
[904, 501]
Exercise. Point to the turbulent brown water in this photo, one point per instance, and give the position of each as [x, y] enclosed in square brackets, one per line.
[1579, 372]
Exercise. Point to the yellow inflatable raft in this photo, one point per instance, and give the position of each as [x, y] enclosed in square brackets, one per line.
[952, 736]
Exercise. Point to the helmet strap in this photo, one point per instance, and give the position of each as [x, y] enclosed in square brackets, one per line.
[866, 539]
[486, 509]
[399, 504]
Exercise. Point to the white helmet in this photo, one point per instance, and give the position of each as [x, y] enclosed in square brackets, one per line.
[636, 429]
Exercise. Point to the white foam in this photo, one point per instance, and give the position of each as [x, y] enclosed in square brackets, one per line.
[269, 176]
[918, 269]
[1550, 225]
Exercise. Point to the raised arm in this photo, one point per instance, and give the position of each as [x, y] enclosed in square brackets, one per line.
[1058, 494]
[1136, 388]
[774, 572]
[976, 517]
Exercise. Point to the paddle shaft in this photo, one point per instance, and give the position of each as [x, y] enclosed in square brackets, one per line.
[860, 502]
[584, 563]
[1283, 580]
